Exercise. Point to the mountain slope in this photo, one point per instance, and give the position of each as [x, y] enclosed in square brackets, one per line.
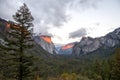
[46, 43]
[88, 44]
[37, 50]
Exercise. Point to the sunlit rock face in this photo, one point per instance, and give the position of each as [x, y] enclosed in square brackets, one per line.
[66, 49]
[46, 38]
[46, 43]
[68, 46]
[88, 44]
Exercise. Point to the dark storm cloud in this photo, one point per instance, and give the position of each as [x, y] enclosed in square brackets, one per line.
[47, 13]
[77, 34]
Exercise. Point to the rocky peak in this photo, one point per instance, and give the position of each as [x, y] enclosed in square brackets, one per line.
[86, 41]
[117, 31]
[46, 43]
[88, 44]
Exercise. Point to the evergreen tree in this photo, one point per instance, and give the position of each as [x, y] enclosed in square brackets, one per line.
[116, 66]
[24, 19]
[19, 39]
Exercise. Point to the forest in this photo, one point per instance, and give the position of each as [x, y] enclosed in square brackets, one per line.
[22, 59]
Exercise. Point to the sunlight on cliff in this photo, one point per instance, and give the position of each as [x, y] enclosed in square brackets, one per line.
[67, 46]
[46, 38]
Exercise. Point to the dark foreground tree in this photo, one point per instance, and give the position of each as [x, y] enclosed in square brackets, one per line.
[116, 66]
[19, 39]
[24, 19]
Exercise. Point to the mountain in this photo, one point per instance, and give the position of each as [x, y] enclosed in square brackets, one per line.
[37, 50]
[49, 65]
[43, 43]
[88, 44]
[46, 43]
[3, 25]
[66, 49]
[43, 40]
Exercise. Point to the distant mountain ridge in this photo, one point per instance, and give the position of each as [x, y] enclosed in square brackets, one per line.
[66, 49]
[88, 44]
[85, 46]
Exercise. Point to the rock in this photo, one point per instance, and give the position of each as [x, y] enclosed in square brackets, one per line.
[88, 44]
[45, 42]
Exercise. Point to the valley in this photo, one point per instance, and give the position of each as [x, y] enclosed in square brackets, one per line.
[91, 58]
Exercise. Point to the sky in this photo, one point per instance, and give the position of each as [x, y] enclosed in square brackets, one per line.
[68, 21]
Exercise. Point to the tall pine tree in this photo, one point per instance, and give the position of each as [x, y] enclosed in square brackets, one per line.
[18, 41]
[24, 33]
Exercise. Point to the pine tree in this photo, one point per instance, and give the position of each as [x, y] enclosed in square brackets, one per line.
[18, 41]
[116, 66]
[24, 19]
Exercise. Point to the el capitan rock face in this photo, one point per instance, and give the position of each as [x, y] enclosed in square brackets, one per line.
[46, 43]
[88, 44]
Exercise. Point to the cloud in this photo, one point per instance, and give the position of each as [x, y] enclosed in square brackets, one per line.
[77, 34]
[84, 4]
[8, 8]
[50, 11]
[47, 13]
[89, 3]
